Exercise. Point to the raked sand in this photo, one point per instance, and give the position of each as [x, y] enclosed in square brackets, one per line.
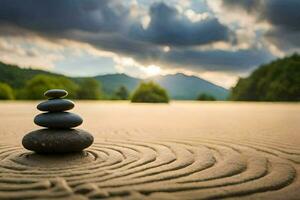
[182, 150]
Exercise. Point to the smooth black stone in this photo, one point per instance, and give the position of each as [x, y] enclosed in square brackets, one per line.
[56, 93]
[56, 105]
[52, 141]
[58, 120]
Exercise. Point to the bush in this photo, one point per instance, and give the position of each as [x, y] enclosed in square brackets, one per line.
[6, 92]
[149, 92]
[36, 86]
[122, 93]
[89, 89]
[206, 97]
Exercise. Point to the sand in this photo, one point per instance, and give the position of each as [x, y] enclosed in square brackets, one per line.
[182, 150]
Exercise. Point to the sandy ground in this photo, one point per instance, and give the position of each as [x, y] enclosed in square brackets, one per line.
[182, 150]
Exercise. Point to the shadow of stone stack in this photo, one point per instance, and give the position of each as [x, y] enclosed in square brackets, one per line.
[59, 135]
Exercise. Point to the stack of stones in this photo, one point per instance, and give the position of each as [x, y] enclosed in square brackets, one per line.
[59, 135]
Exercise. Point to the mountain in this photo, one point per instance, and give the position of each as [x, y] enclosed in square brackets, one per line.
[111, 82]
[179, 86]
[16, 76]
[276, 81]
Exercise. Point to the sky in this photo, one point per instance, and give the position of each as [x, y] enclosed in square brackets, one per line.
[218, 40]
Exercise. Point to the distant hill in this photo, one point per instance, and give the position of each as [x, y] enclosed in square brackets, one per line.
[16, 76]
[276, 81]
[179, 86]
[111, 82]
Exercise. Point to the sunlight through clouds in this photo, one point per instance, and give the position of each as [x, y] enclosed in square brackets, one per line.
[152, 70]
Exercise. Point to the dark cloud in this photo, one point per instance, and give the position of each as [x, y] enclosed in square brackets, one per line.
[285, 19]
[282, 15]
[248, 5]
[107, 25]
[62, 15]
[219, 60]
[169, 27]
[144, 52]
[279, 13]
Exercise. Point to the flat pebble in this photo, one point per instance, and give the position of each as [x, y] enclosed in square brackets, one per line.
[56, 93]
[56, 105]
[52, 141]
[62, 120]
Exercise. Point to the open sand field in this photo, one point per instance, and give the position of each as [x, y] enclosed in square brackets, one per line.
[181, 150]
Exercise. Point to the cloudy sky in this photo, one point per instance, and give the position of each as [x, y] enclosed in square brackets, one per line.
[218, 40]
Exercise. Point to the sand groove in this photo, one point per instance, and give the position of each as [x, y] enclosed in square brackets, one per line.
[179, 169]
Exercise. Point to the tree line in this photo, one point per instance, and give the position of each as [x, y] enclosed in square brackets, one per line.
[82, 88]
[87, 88]
[276, 81]
[33, 89]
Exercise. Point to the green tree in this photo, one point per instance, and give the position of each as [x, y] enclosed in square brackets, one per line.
[150, 92]
[122, 93]
[36, 86]
[6, 92]
[206, 97]
[276, 81]
[89, 88]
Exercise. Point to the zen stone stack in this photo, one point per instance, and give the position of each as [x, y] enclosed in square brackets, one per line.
[58, 135]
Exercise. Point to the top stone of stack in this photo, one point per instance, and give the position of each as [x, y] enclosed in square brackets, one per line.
[56, 93]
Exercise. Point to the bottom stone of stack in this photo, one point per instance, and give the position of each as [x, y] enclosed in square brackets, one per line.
[55, 141]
